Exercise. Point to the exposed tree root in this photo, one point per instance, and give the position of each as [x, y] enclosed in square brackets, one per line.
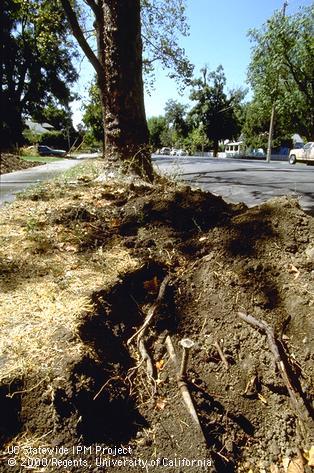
[183, 386]
[141, 332]
[152, 311]
[221, 354]
[297, 403]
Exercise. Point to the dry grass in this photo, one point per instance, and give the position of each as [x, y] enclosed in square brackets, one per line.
[45, 281]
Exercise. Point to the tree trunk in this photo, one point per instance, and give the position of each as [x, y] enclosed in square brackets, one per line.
[1, 79]
[126, 133]
[118, 66]
[216, 148]
[11, 126]
[99, 27]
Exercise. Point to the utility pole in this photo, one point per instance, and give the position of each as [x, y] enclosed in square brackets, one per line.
[270, 133]
[272, 116]
[68, 136]
[284, 6]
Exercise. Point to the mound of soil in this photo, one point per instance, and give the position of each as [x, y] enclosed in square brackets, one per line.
[12, 162]
[118, 405]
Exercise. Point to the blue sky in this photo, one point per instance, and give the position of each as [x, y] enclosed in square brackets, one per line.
[218, 35]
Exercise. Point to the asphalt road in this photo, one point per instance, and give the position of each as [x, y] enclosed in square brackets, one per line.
[11, 184]
[251, 182]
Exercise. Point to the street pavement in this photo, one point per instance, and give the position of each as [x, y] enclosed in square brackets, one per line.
[14, 182]
[238, 180]
[251, 182]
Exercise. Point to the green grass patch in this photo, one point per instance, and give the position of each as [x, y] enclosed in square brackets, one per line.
[41, 159]
[89, 169]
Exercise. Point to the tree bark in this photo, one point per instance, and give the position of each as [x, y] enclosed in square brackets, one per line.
[126, 132]
[1, 79]
[99, 27]
[215, 148]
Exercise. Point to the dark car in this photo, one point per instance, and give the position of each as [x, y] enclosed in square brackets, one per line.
[47, 151]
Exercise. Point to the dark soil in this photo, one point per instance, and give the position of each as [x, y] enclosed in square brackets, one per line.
[222, 259]
[12, 162]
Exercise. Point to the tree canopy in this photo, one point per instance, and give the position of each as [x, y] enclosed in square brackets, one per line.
[215, 110]
[163, 22]
[175, 114]
[92, 117]
[158, 129]
[38, 69]
[281, 72]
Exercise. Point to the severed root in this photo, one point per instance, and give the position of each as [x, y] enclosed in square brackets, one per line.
[221, 354]
[182, 385]
[145, 357]
[152, 311]
[141, 331]
[297, 402]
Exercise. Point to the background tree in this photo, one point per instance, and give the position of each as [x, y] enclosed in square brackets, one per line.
[92, 118]
[157, 127]
[176, 116]
[119, 65]
[282, 69]
[196, 140]
[256, 122]
[64, 134]
[58, 117]
[215, 111]
[38, 69]
[256, 125]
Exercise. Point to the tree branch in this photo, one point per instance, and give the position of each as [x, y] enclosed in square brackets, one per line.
[95, 7]
[301, 84]
[21, 82]
[80, 38]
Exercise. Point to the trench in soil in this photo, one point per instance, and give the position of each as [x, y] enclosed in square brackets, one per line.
[112, 416]
[96, 396]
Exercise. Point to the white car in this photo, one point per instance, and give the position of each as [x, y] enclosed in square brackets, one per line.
[165, 151]
[181, 152]
[303, 155]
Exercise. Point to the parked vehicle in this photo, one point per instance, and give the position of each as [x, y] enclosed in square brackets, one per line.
[303, 155]
[47, 151]
[181, 152]
[165, 151]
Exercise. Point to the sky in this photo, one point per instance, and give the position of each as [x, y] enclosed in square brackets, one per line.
[218, 35]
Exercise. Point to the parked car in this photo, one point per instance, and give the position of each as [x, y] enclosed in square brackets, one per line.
[258, 153]
[181, 152]
[44, 150]
[165, 151]
[303, 155]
